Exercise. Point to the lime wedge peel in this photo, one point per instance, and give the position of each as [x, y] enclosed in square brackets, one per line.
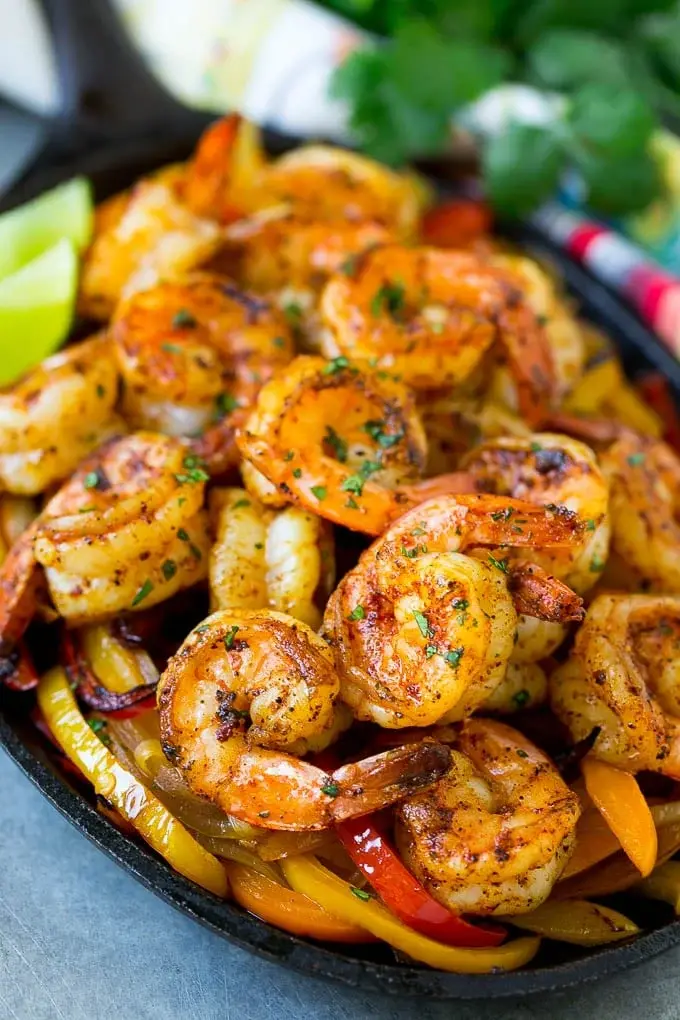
[36, 309]
[28, 231]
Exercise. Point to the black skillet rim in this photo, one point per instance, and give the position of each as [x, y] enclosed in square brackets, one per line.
[639, 349]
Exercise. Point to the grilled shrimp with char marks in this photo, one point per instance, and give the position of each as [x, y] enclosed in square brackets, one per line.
[494, 835]
[430, 315]
[193, 356]
[423, 633]
[56, 415]
[248, 690]
[346, 444]
[263, 558]
[623, 679]
[127, 531]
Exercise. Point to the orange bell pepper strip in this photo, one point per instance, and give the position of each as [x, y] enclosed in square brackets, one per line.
[161, 830]
[619, 800]
[663, 884]
[354, 906]
[290, 910]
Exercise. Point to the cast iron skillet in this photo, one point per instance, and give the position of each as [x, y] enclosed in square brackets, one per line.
[113, 162]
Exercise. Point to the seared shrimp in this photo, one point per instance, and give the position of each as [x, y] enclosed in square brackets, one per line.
[546, 468]
[494, 835]
[423, 633]
[263, 558]
[279, 252]
[430, 315]
[56, 415]
[244, 689]
[193, 356]
[525, 685]
[326, 183]
[623, 678]
[127, 531]
[342, 443]
[562, 329]
[221, 179]
[154, 236]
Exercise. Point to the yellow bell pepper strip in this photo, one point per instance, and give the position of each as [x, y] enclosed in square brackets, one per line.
[619, 799]
[161, 830]
[290, 910]
[97, 695]
[576, 921]
[663, 884]
[304, 874]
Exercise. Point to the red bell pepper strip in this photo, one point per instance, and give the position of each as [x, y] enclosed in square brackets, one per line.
[456, 223]
[403, 894]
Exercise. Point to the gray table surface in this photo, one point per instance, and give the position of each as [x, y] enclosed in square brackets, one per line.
[80, 940]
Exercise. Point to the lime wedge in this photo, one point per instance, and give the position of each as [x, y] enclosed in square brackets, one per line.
[29, 230]
[36, 308]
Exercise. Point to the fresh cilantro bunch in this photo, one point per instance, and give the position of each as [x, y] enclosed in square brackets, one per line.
[617, 62]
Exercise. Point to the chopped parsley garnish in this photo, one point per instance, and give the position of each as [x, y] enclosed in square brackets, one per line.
[389, 298]
[183, 319]
[596, 564]
[297, 473]
[259, 545]
[336, 365]
[143, 592]
[351, 503]
[229, 637]
[348, 266]
[521, 753]
[636, 459]
[240, 503]
[225, 403]
[320, 491]
[430, 650]
[195, 473]
[535, 447]
[409, 553]
[171, 348]
[336, 443]
[376, 430]
[521, 698]
[289, 455]
[501, 565]
[96, 725]
[503, 515]
[263, 814]
[417, 532]
[358, 613]
[590, 524]
[182, 535]
[169, 569]
[454, 656]
[101, 390]
[360, 894]
[331, 789]
[279, 341]
[91, 480]
[293, 312]
[461, 604]
[195, 551]
[355, 483]
[423, 623]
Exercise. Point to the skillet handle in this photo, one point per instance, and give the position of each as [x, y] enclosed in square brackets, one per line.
[107, 93]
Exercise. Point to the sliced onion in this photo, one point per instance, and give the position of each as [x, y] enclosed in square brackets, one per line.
[235, 850]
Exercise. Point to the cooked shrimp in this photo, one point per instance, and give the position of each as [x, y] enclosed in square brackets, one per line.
[494, 835]
[193, 356]
[430, 315]
[644, 477]
[623, 677]
[56, 415]
[336, 440]
[544, 469]
[423, 633]
[220, 180]
[326, 183]
[263, 558]
[155, 237]
[245, 688]
[524, 685]
[127, 531]
[278, 251]
[563, 331]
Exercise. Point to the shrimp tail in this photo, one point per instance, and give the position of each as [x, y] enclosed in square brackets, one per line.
[539, 594]
[21, 581]
[385, 778]
[209, 173]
